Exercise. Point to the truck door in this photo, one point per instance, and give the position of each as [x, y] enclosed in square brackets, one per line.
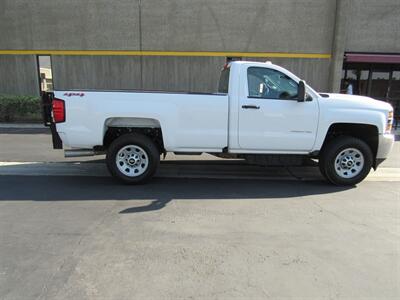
[270, 117]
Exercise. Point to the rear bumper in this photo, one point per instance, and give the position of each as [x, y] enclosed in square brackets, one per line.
[386, 142]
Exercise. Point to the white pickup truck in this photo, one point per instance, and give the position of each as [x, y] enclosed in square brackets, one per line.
[262, 113]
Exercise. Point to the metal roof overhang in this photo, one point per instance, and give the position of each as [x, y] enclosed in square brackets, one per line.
[372, 58]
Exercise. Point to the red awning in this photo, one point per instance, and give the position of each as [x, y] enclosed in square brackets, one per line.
[373, 58]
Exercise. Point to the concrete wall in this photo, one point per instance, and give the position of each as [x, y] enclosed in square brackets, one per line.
[207, 25]
[237, 25]
[96, 72]
[171, 25]
[18, 75]
[194, 74]
[373, 26]
[338, 44]
[69, 25]
[292, 26]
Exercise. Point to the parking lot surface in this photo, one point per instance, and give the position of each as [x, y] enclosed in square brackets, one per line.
[233, 232]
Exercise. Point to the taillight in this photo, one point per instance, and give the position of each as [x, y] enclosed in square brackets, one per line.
[58, 110]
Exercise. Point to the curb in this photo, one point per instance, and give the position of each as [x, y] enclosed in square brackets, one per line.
[22, 126]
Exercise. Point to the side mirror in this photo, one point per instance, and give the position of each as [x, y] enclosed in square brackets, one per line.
[301, 91]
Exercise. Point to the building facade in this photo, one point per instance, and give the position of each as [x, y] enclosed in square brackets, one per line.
[182, 44]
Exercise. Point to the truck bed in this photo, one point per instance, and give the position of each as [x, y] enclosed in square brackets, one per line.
[189, 121]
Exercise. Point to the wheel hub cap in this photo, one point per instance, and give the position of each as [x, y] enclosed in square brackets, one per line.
[132, 160]
[349, 163]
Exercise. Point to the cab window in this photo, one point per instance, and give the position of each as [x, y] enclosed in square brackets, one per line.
[270, 84]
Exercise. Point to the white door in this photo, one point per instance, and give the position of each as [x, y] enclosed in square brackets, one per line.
[271, 118]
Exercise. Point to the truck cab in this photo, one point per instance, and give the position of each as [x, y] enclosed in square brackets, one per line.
[271, 115]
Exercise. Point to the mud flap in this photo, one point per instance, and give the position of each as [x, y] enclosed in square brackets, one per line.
[47, 114]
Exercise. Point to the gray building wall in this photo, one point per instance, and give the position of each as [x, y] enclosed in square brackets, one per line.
[177, 25]
[373, 26]
[69, 25]
[194, 74]
[18, 75]
[96, 72]
[289, 26]
[237, 25]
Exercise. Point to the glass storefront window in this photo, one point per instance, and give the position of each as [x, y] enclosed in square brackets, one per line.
[378, 81]
[379, 85]
[363, 83]
[349, 77]
[394, 94]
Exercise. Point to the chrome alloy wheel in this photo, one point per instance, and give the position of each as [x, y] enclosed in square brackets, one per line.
[132, 160]
[349, 163]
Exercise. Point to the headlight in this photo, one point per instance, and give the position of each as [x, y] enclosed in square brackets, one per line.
[389, 122]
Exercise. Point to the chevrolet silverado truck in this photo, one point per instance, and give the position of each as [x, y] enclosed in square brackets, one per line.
[262, 113]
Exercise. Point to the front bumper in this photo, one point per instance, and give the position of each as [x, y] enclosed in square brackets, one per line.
[385, 145]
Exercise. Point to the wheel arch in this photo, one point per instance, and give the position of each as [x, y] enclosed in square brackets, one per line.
[132, 122]
[366, 132]
[118, 126]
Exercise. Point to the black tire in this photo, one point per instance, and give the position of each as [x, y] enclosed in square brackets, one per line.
[333, 149]
[138, 140]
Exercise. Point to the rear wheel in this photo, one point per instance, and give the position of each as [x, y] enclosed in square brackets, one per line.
[132, 158]
[346, 160]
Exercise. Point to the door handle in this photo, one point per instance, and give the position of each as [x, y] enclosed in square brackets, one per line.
[250, 107]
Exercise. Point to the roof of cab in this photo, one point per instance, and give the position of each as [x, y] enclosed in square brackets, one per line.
[247, 62]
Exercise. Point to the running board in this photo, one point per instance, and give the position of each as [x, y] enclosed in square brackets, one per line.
[81, 152]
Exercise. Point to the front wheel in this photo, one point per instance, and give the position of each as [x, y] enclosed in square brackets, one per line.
[132, 158]
[346, 161]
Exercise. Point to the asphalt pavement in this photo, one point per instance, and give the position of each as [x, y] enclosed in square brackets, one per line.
[202, 229]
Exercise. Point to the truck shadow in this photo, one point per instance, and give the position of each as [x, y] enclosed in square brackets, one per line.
[159, 191]
[223, 189]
